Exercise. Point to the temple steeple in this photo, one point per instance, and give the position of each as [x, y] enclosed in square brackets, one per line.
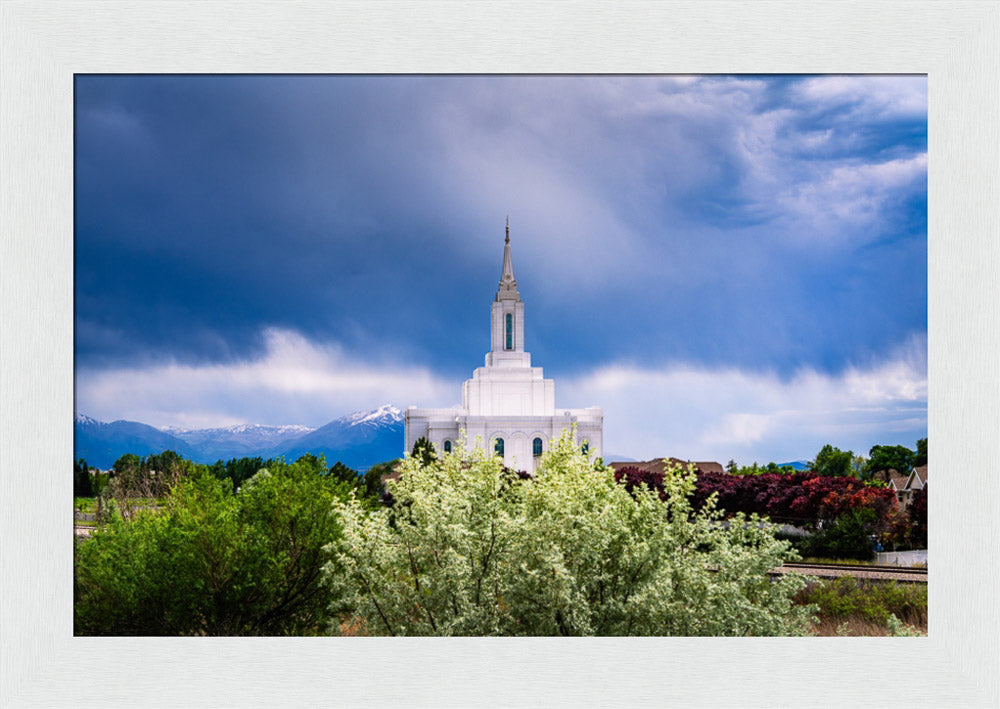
[507, 316]
[507, 289]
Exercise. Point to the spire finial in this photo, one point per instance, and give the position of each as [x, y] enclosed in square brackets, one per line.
[506, 239]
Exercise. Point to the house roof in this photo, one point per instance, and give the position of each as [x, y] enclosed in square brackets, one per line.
[897, 481]
[918, 478]
[656, 465]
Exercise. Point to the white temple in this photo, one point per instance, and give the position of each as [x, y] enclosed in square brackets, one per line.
[507, 404]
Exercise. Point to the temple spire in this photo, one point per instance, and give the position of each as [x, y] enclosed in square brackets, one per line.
[508, 286]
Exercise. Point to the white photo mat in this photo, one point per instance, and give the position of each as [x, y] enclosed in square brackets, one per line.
[42, 46]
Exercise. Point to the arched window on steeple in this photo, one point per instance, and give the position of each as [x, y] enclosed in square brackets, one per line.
[508, 331]
[536, 447]
[447, 446]
[498, 447]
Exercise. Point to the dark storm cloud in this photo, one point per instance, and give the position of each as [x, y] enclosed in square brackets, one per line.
[775, 225]
[225, 204]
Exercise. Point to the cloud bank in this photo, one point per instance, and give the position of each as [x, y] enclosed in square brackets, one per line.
[684, 410]
[294, 381]
[698, 413]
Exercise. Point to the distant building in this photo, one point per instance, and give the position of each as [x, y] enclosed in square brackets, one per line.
[507, 405]
[905, 485]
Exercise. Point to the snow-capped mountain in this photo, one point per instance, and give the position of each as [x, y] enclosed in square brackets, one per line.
[241, 440]
[383, 416]
[101, 444]
[359, 440]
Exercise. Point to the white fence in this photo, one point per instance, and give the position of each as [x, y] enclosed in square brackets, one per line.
[916, 557]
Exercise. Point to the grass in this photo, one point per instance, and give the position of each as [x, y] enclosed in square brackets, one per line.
[87, 505]
[849, 606]
[822, 560]
[855, 627]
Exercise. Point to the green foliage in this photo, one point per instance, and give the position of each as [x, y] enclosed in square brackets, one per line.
[898, 458]
[239, 470]
[899, 629]
[771, 468]
[921, 456]
[874, 601]
[99, 483]
[86, 505]
[833, 462]
[471, 548]
[373, 486]
[82, 486]
[126, 463]
[341, 472]
[368, 487]
[850, 537]
[213, 562]
[423, 450]
[134, 479]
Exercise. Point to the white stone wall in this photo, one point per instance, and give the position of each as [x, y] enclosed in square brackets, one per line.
[518, 432]
[508, 391]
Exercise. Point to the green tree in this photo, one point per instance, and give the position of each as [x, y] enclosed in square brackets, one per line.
[898, 458]
[82, 486]
[341, 472]
[470, 548]
[127, 463]
[833, 462]
[372, 484]
[214, 562]
[239, 470]
[423, 449]
[851, 536]
[921, 457]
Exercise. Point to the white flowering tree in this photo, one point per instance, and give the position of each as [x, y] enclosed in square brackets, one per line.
[470, 548]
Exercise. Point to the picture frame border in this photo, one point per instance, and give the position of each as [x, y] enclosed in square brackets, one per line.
[45, 45]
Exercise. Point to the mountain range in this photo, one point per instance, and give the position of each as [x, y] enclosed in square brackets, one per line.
[358, 440]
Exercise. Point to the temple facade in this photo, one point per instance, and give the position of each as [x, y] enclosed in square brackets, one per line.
[507, 406]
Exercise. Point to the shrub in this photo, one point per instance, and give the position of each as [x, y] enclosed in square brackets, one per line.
[917, 512]
[471, 548]
[873, 601]
[801, 498]
[213, 562]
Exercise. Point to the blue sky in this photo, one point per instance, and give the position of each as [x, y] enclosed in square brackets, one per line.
[732, 267]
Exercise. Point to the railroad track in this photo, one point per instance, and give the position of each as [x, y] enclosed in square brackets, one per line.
[901, 574]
